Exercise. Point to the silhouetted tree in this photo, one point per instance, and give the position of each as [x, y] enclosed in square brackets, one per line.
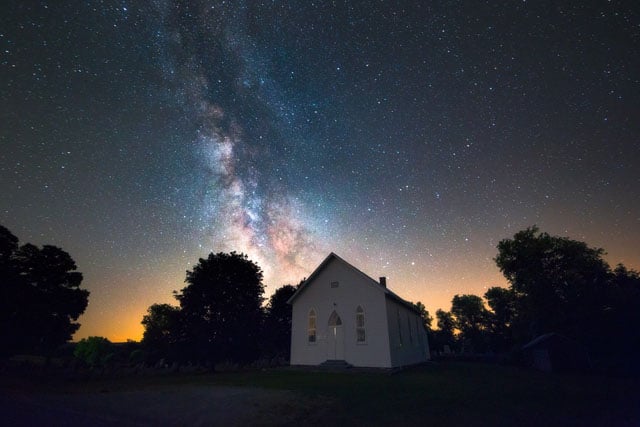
[162, 332]
[502, 302]
[563, 285]
[427, 320]
[471, 319]
[94, 351]
[277, 324]
[221, 309]
[40, 296]
[8, 247]
[445, 334]
[617, 342]
[11, 295]
[445, 322]
[559, 283]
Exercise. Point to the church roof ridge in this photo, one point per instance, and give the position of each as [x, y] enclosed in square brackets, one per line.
[333, 255]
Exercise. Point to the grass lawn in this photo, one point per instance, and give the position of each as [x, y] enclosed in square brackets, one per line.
[438, 394]
[464, 394]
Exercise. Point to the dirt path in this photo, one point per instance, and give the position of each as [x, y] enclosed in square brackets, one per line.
[178, 405]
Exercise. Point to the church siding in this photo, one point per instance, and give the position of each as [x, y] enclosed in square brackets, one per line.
[353, 289]
[337, 285]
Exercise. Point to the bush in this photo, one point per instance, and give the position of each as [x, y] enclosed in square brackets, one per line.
[94, 351]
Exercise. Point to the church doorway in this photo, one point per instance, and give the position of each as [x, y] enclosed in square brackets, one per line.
[335, 338]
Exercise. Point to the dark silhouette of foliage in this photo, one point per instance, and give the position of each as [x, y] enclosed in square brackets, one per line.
[471, 318]
[8, 246]
[40, 296]
[564, 286]
[10, 294]
[94, 351]
[427, 320]
[618, 340]
[502, 302]
[277, 324]
[559, 283]
[445, 334]
[220, 308]
[445, 322]
[162, 332]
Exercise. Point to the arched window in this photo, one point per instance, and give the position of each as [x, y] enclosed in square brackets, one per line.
[311, 329]
[334, 319]
[361, 335]
[410, 329]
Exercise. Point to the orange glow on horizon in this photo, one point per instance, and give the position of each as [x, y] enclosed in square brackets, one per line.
[434, 283]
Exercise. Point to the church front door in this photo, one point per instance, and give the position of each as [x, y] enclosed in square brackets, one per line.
[335, 338]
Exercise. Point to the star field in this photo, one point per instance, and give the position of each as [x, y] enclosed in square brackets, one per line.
[408, 137]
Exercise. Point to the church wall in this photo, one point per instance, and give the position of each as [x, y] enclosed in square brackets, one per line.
[407, 337]
[353, 289]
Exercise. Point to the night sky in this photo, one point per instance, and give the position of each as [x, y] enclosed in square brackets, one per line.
[407, 137]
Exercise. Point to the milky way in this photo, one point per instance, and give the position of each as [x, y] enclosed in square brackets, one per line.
[248, 211]
[407, 137]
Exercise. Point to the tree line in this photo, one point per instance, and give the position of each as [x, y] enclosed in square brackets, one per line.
[556, 284]
[220, 316]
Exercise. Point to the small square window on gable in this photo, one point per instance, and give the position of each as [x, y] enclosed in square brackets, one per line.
[335, 284]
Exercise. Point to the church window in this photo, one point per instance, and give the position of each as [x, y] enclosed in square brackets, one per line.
[410, 329]
[312, 326]
[334, 319]
[361, 335]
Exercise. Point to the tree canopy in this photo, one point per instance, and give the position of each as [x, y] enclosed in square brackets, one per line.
[40, 296]
[445, 334]
[277, 323]
[221, 317]
[94, 351]
[562, 285]
[559, 283]
[221, 309]
[502, 303]
[556, 284]
[427, 320]
[471, 318]
[162, 331]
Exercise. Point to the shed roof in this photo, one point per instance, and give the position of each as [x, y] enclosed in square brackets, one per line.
[550, 337]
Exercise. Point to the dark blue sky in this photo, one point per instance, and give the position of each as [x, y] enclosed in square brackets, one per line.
[408, 137]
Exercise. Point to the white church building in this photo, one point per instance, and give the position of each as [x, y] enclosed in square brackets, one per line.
[341, 314]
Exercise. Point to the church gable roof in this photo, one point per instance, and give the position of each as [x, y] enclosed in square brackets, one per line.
[331, 257]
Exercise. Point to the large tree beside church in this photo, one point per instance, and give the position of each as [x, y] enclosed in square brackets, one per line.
[276, 335]
[221, 309]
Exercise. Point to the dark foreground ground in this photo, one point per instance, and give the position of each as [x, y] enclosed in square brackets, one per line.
[437, 394]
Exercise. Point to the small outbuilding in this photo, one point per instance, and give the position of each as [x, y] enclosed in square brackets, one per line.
[340, 314]
[554, 352]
